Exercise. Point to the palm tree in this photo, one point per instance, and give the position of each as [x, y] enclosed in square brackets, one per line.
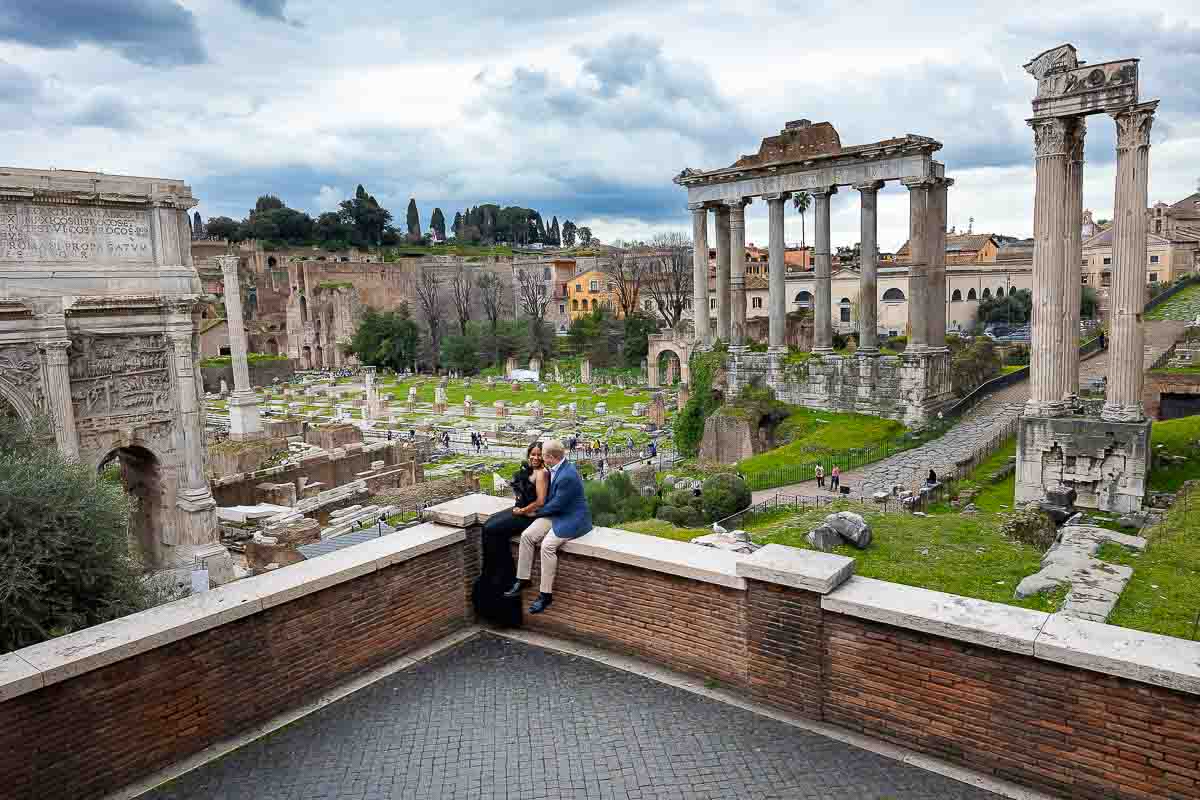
[801, 201]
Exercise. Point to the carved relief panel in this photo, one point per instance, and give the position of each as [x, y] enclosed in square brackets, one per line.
[20, 372]
[121, 376]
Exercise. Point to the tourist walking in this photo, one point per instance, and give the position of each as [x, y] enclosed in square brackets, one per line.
[835, 479]
[820, 473]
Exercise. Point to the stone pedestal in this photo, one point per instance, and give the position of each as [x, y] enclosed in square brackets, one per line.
[1104, 462]
[244, 420]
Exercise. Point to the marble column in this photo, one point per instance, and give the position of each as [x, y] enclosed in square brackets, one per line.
[58, 395]
[1123, 402]
[776, 273]
[1074, 257]
[918, 270]
[935, 259]
[737, 276]
[868, 283]
[721, 217]
[822, 300]
[700, 272]
[1048, 358]
[244, 422]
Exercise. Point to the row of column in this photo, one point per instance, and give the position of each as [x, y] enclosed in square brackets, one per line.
[1058, 255]
[927, 282]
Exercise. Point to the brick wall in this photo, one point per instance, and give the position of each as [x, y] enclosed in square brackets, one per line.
[95, 733]
[687, 625]
[785, 647]
[1070, 731]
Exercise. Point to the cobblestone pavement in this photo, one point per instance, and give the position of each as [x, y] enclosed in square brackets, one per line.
[975, 430]
[495, 719]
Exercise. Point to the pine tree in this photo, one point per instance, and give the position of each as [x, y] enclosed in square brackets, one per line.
[414, 221]
[555, 235]
[437, 223]
[458, 224]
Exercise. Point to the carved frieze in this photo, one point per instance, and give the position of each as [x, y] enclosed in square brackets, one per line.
[20, 370]
[120, 375]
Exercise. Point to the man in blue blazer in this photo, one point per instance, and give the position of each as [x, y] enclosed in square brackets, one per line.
[564, 516]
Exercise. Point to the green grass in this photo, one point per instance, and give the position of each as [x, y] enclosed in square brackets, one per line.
[993, 497]
[1012, 368]
[1180, 307]
[618, 402]
[663, 530]
[1195, 370]
[1178, 437]
[1163, 596]
[823, 430]
[251, 358]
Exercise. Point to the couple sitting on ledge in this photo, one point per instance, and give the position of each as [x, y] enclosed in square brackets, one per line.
[550, 509]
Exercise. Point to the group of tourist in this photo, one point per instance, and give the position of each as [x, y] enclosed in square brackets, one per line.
[479, 442]
[835, 477]
[550, 509]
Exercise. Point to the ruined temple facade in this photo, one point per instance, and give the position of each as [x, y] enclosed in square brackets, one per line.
[811, 158]
[98, 332]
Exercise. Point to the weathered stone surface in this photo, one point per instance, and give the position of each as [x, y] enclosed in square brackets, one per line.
[726, 541]
[800, 569]
[1095, 586]
[851, 527]
[824, 538]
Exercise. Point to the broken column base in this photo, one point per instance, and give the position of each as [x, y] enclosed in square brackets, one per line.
[244, 421]
[1104, 462]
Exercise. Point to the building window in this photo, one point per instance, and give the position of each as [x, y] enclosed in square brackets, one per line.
[1153, 259]
[971, 295]
[585, 308]
[893, 294]
[1106, 280]
[1107, 260]
[574, 305]
[804, 299]
[956, 297]
[579, 287]
[844, 308]
[712, 303]
[546, 274]
[1154, 277]
[756, 302]
[562, 308]
[594, 286]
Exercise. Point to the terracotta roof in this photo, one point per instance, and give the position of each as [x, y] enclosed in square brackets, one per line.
[958, 242]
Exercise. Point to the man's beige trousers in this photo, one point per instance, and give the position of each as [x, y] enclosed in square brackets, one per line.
[539, 531]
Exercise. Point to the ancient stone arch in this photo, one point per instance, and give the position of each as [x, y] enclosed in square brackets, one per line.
[98, 312]
[679, 346]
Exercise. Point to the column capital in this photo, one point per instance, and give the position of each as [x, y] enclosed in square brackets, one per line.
[916, 184]
[1075, 142]
[822, 191]
[1051, 136]
[697, 207]
[1133, 125]
[55, 350]
[869, 186]
[738, 204]
[227, 263]
[776, 197]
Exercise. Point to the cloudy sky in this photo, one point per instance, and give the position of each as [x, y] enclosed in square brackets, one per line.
[583, 110]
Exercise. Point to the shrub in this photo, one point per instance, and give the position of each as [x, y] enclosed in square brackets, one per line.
[683, 517]
[723, 495]
[615, 500]
[1030, 525]
[897, 343]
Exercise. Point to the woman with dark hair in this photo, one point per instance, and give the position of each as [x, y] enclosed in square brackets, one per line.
[530, 485]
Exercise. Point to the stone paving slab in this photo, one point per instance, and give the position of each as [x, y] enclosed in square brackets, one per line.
[495, 719]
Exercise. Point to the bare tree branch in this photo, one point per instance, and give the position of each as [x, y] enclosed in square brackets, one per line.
[491, 294]
[667, 276]
[626, 271]
[460, 288]
[534, 297]
[429, 298]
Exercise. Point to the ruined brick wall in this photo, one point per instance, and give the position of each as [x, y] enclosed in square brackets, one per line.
[242, 488]
[91, 735]
[262, 373]
[728, 439]
[1186, 387]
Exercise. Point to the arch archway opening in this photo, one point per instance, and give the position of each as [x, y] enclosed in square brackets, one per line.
[893, 294]
[139, 472]
[957, 296]
[971, 295]
[803, 299]
[987, 294]
[668, 364]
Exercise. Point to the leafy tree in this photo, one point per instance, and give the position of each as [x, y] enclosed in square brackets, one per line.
[689, 423]
[972, 361]
[66, 561]
[461, 352]
[1017, 307]
[366, 219]
[585, 236]
[414, 221]
[266, 202]
[437, 223]
[568, 234]
[1089, 303]
[221, 227]
[387, 339]
[638, 327]
[723, 495]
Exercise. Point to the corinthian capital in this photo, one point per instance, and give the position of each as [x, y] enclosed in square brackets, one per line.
[55, 350]
[1133, 126]
[1075, 141]
[1050, 136]
[228, 264]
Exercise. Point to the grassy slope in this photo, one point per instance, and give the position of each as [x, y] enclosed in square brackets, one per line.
[829, 430]
[1163, 596]
[1177, 437]
[616, 400]
[1180, 307]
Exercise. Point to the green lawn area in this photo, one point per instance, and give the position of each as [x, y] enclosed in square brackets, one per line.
[1183, 306]
[618, 402]
[1163, 596]
[947, 552]
[994, 497]
[1012, 368]
[1177, 437]
[823, 430]
[1195, 370]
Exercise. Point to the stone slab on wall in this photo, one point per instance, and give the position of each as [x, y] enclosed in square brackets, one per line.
[331, 470]
[92, 734]
[1105, 462]
[909, 388]
[262, 373]
[333, 435]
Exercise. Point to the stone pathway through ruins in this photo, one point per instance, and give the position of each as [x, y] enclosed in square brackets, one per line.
[975, 430]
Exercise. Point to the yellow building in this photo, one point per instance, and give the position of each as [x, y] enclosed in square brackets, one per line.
[590, 290]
